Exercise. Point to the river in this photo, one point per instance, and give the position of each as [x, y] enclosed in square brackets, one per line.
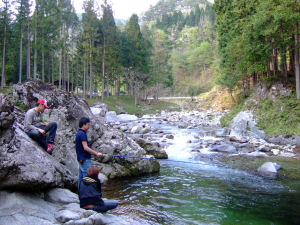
[205, 190]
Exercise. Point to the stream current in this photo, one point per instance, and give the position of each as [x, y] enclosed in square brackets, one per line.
[203, 191]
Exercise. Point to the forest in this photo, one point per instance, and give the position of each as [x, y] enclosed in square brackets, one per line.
[176, 48]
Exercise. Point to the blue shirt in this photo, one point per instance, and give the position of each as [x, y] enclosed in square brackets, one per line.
[81, 153]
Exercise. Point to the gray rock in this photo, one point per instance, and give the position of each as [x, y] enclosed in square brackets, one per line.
[23, 208]
[64, 216]
[20, 208]
[126, 117]
[111, 116]
[224, 148]
[136, 129]
[244, 125]
[145, 130]
[59, 195]
[99, 109]
[269, 170]
[257, 154]
[170, 136]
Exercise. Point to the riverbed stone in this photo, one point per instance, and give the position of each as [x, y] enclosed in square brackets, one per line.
[126, 117]
[269, 170]
[226, 148]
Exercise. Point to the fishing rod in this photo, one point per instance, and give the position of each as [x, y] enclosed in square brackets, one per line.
[136, 157]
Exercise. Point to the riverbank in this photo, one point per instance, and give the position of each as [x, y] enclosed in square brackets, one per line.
[210, 178]
[125, 103]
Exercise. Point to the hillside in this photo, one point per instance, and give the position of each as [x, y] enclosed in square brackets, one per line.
[184, 43]
[169, 6]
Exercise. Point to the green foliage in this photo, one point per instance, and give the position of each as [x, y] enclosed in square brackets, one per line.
[253, 34]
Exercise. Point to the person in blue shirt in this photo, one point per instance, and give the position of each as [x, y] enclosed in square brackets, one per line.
[83, 149]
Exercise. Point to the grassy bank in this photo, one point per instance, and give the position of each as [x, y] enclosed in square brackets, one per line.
[280, 116]
[126, 103]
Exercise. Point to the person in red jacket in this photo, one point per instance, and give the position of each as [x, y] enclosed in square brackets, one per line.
[90, 194]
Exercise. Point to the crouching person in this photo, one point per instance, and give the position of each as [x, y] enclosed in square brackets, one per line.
[36, 128]
[90, 195]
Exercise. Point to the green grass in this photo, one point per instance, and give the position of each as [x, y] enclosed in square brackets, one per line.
[5, 91]
[126, 103]
[279, 118]
[20, 105]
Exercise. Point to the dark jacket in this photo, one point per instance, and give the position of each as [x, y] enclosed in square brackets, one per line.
[90, 191]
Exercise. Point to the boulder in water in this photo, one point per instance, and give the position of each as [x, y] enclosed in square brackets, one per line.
[269, 170]
[226, 148]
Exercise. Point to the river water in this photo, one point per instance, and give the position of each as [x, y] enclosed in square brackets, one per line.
[203, 191]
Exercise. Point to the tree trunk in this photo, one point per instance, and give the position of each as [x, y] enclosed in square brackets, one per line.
[274, 60]
[21, 54]
[3, 79]
[83, 78]
[103, 72]
[77, 75]
[91, 72]
[283, 65]
[52, 70]
[119, 84]
[64, 70]
[68, 74]
[48, 64]
[107, 84]
[43, 58]
[292, 56]
[268, 68]
[59, 69]
[72, 75]
[43, 64]
[28, 52]
[35, 51]
[254, 79]
[87, 76]
[297, 60]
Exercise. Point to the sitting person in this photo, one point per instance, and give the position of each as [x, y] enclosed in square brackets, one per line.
[37, 129]
[90, 195]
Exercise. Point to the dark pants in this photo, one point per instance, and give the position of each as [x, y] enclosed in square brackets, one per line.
[108, 205]
[42, 138]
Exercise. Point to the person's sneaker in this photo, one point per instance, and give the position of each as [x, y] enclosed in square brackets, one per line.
[50, 149]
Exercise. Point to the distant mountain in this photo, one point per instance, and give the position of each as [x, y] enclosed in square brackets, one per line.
[168, 6]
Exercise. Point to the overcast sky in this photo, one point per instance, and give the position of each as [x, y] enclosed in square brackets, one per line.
[123, 9]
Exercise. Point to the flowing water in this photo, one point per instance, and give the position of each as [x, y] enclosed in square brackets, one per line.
[204, 191]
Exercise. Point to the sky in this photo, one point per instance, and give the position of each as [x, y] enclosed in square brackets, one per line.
[123, 9]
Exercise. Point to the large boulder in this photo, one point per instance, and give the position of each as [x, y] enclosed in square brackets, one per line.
[99, 109]
[23, 208]
[25, 165]
[244, 124]
[269, 170]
